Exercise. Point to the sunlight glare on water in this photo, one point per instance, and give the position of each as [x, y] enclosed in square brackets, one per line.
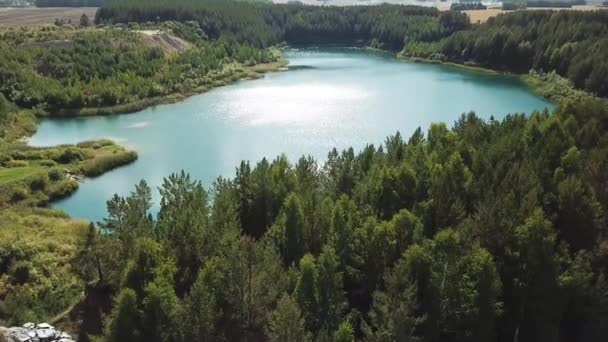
[329, 98]
[313, 104]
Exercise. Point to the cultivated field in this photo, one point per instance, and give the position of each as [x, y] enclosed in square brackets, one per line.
[475, 16]
[34, 16]
[483, 15]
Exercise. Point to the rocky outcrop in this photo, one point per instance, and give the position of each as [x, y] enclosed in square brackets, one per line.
[3, 334]
[31, 332]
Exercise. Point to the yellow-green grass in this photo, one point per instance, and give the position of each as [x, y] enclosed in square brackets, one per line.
[37, 246]
[36, 175]
[553, 86]
[18, 174]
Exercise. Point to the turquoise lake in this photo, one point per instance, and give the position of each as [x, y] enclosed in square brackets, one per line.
[329, 98]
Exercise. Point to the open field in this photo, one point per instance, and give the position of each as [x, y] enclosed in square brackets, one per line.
[474, 15]
[483, 15]
[34, 16]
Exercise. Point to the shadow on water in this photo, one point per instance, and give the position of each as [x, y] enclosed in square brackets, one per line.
[300, 67]
[311, 67]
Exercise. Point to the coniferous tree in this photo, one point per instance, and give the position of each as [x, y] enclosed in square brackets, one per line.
[286, 322]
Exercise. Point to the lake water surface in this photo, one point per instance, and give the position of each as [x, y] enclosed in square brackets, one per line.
[329, 98]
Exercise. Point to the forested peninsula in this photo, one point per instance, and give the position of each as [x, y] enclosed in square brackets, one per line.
[480, 230]
[67, 72]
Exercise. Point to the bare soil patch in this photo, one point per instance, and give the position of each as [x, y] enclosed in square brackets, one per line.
[168, 42]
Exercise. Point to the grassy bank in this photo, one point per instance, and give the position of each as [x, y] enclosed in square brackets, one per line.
[553, 86]
[231, 74]
[37, 245]
[38, 279]
[35, 176]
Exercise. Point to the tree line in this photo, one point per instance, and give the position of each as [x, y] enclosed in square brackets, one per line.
[59, 69]
[573, 43]
[488, 231]
[69, 3]
[264, 24]
[467, 5]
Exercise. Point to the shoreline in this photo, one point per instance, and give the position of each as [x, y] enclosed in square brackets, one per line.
[129, 155]
[535, 82]
[549, 86]
[43, 175]
[474, 68]
[248, 73]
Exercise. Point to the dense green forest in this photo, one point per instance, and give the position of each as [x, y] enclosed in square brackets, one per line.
[485, 230]
[489, 231]
[573, 43]
[384, 26]
[54, 70]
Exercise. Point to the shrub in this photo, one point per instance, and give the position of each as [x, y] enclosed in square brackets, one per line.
[48, 163]
[16, 163]
[21, 272]
[97, 166]
[56, 174]
[19, 194]
[70, 155]
[39, 183]
[63, 188]
[95, 144]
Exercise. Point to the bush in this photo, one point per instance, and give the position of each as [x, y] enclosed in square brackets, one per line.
[19, 194]
[16, 163]
[70, 155]
[48, 163]
[63, 188]
[21, 272]
[95, 144]
[56, 174]
[97, 166]
[39, 183]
